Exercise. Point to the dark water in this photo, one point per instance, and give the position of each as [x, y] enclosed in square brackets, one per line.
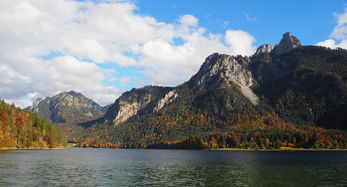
[122, 167]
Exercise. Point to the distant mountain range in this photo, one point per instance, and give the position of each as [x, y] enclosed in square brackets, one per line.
[67, 107]
[285, 95]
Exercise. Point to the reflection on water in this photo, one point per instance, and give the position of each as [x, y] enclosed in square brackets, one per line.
[122, 167]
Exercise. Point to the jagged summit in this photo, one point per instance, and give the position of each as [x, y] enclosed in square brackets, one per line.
[265, 48]
[36, 102]
[67, 107]
[287, 43]
[138, 101]
[222, 69]
[269, 94]
[72, 97]
[73, 93]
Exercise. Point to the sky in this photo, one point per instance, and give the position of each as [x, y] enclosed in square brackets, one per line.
[102, 48]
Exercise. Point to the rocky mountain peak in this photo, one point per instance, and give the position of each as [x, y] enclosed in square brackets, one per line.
[73, 98]
[265, 48]
[35, 105]
[137, 102]
[67, 107]
[221, 65]
[69, 94]
[73, 93]
[287, 43]
[221, 69]
[37, 101]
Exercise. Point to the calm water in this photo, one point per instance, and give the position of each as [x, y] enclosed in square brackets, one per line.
[122, 167]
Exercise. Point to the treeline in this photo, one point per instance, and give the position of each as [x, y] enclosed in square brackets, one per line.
[267, 132]
[311, 88]
[222, 123]
[22, 129]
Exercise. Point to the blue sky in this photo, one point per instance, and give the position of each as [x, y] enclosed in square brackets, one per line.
[312, 20]
[102, 48]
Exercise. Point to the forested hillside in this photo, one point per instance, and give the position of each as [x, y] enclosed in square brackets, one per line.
[307, 86]
[183, 124]
[23, 129]
[285, 95]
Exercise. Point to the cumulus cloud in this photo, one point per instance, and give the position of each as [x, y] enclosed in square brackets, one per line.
[332, 44]
[53, 46]
[189, 20]
[240, 42]
[338, 37]
[340, 30]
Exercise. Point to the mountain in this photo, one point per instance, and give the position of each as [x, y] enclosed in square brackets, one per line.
[285, 95]
[23, 129]
[225, 71]
[287, 44]
[306, 86]
[67, 107]
[105, 108]
[137, 102]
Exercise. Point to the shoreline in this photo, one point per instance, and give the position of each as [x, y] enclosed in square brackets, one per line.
[218, 149]
[15, 148]
[226, 149]
[291, 149]
[38, 148]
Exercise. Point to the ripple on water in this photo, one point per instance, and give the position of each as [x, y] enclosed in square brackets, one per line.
[121, 167]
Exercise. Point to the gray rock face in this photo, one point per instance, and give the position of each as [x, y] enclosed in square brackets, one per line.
[287, 43]
[225, 69]
[35, 106]
[265, 48]
[218, 70]
[67, 107]
[130, 108]
[138, 101]
[169, 97]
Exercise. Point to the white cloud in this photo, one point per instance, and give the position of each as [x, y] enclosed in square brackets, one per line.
[332, 44]
[189, 20]
[327, 43]
[338, 37]
[340, 30]
[240, 42]
[88, 34]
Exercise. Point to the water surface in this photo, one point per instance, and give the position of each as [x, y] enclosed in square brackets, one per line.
[141, 167]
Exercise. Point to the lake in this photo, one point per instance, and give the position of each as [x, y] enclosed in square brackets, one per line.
[151, 167]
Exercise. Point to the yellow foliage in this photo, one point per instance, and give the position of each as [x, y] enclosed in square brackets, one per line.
[44, 132]
[39, 144]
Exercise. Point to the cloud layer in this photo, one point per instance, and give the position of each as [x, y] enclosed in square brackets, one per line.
[338, 37]
[53, 46]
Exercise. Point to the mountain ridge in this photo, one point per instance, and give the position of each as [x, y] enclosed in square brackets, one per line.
[67, 107]
[285, 94]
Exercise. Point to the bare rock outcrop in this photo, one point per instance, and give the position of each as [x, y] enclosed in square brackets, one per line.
[265, 48]
[225, 69]
[287, 43]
